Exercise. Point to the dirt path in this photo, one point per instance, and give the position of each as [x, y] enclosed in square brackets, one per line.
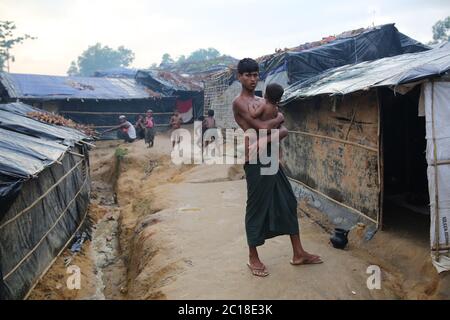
[177, 232]
[194, 245]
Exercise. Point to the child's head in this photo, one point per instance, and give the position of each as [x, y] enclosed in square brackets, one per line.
[274, 92]
[210, 113]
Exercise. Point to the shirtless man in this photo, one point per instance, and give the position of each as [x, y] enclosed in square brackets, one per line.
[266, 216]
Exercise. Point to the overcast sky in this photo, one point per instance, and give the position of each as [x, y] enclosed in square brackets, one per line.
[241, 28]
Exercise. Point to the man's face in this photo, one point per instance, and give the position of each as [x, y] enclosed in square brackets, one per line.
[149, 114]
[249, 80]
[122, 120]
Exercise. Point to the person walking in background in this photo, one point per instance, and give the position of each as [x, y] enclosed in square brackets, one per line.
[149, 128]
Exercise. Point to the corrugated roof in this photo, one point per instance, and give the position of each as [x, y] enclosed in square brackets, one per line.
[32, 86]
[390, 71]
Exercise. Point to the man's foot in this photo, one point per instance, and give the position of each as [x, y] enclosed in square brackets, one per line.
[258, 271]
[306, 258]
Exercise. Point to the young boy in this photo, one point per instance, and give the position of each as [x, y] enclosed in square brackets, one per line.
[210, 123]
[267, 109]
[149, 128]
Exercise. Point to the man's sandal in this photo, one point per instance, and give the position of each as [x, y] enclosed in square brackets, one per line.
[258, 271]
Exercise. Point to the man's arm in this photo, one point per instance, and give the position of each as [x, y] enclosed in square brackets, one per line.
[112, 129]
[255, 110]
[256, 124]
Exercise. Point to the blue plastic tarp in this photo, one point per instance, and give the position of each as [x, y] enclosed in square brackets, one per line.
[44, 87]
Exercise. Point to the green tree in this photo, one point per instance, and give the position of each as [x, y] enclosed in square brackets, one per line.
[166, 60]
[181, 59]
[203, 54]
[7, 42]
[73, 70]
[98, 57]
[441, 30]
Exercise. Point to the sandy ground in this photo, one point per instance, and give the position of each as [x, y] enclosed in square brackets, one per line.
[180, 235]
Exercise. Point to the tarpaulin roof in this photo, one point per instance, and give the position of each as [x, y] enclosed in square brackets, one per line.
[23, 156]
[44, 87]
[383, 72]
[370, 44]
[168, 83]
[28, 146]
[17, 120]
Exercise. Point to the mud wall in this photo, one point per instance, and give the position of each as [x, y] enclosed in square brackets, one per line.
[345, 172]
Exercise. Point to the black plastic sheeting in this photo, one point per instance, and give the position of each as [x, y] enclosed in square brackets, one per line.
[24, 156]
[106, 113]
[27, 147]
[9, 190]
[391, 71]
[376, 43]
[44, 195]
[44, 230]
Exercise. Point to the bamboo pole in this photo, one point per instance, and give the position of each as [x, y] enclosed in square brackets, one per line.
[76, 154]
[112, 113]
[441, 163]
[335, 201]
[436, 185]
[335, 139]
[87, 143]
[350, 126]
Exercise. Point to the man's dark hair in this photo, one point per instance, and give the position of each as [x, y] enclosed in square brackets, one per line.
[210, 113]
[274, 92]
[247, 65]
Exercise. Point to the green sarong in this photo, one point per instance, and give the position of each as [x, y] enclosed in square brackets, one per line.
[271, 205]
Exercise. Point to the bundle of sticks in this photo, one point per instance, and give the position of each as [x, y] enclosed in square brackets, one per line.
[61, 121]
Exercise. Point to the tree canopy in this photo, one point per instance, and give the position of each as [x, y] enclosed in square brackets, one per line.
[98, 57]
[7, 42]
[441, 30]
[197, 61]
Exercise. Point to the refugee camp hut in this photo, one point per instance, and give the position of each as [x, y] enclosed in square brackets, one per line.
[366, 137]
[187, 90]
[289, 66]
[88, 100]
[44, 196]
